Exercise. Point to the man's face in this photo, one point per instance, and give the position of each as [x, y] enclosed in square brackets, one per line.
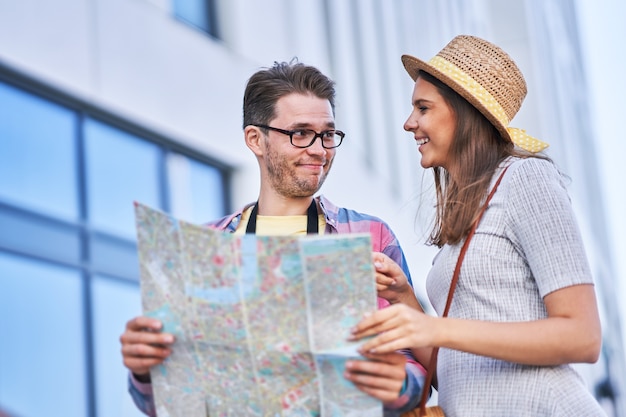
[291, 171]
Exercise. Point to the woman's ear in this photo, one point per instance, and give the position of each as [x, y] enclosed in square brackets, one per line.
[254, 139]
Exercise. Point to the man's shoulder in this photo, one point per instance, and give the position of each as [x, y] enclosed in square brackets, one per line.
[349, 217]
[228, 222]
[220, 223]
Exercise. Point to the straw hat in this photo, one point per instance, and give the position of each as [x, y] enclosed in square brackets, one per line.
[487, 77]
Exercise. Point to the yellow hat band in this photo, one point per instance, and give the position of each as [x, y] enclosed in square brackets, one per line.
[525, 141]
[469, 84]
[518, 136]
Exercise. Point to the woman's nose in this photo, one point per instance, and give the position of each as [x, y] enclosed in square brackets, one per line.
[410, 124]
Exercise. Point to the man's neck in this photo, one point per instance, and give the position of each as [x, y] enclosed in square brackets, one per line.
[283, 206]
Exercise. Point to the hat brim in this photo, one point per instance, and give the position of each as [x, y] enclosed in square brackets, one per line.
[413, 65]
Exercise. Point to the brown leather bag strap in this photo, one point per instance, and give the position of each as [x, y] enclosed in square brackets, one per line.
[455, 277]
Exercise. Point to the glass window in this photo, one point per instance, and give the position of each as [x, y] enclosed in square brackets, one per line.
[43, 354]
[31, 234]
[196, 189]
[37, 154]
[114, 303]
[199, 13]
[42, 358]
[120, 169]
[114, 256]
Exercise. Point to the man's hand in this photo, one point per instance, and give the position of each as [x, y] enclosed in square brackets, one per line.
[144, 346]
[381, 377]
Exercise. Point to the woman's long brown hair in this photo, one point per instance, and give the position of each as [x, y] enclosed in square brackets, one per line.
[477, 150]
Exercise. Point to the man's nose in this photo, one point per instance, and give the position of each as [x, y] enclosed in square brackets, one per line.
[316, 146]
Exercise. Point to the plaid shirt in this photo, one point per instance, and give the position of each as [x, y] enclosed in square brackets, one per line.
[338, 220]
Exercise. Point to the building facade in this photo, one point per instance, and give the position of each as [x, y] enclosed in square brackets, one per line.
[106, 102]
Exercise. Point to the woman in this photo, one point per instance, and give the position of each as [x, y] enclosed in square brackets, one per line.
[524, 307]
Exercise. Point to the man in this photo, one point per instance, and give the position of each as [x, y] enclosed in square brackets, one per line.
[286, 109]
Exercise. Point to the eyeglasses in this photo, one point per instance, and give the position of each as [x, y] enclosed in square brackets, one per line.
[303, 138]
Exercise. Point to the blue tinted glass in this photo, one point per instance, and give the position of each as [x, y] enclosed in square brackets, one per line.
[114, 257]
[120, 168]
[37, 154]
[114, 303]
[42, 358]
[193, 11]
[41, 237]
[196, 189]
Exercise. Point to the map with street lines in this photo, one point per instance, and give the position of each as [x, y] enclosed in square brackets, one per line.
[261, 323]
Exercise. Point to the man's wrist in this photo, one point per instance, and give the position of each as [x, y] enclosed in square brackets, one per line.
[144, 379]
[405, 384]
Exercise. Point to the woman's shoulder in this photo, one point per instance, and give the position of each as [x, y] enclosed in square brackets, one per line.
[532, 170]
[531, 165]
[534, 182]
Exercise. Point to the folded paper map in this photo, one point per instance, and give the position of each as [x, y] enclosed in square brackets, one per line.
[261, 323]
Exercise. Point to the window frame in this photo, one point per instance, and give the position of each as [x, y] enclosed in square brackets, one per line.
[80, 230]
[212, 22]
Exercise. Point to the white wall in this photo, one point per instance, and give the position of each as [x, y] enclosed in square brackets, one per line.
[602, 34]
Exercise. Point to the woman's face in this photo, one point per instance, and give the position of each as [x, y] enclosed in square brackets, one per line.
[432, 123]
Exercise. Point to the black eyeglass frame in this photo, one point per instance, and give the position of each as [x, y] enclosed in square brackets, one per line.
[320, 135]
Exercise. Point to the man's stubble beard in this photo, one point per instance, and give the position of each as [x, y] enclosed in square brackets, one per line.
[284, 180]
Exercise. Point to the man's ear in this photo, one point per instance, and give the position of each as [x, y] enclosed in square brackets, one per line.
[254, 139]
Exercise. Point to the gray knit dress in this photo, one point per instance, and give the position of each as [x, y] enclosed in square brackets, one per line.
[527, 245]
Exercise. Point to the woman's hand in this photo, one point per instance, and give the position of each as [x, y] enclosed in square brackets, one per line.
[391, 283]
[395, 327]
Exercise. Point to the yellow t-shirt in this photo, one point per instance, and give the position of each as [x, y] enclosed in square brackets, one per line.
[279, 225]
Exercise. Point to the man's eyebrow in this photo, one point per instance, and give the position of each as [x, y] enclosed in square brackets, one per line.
[303, 125]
